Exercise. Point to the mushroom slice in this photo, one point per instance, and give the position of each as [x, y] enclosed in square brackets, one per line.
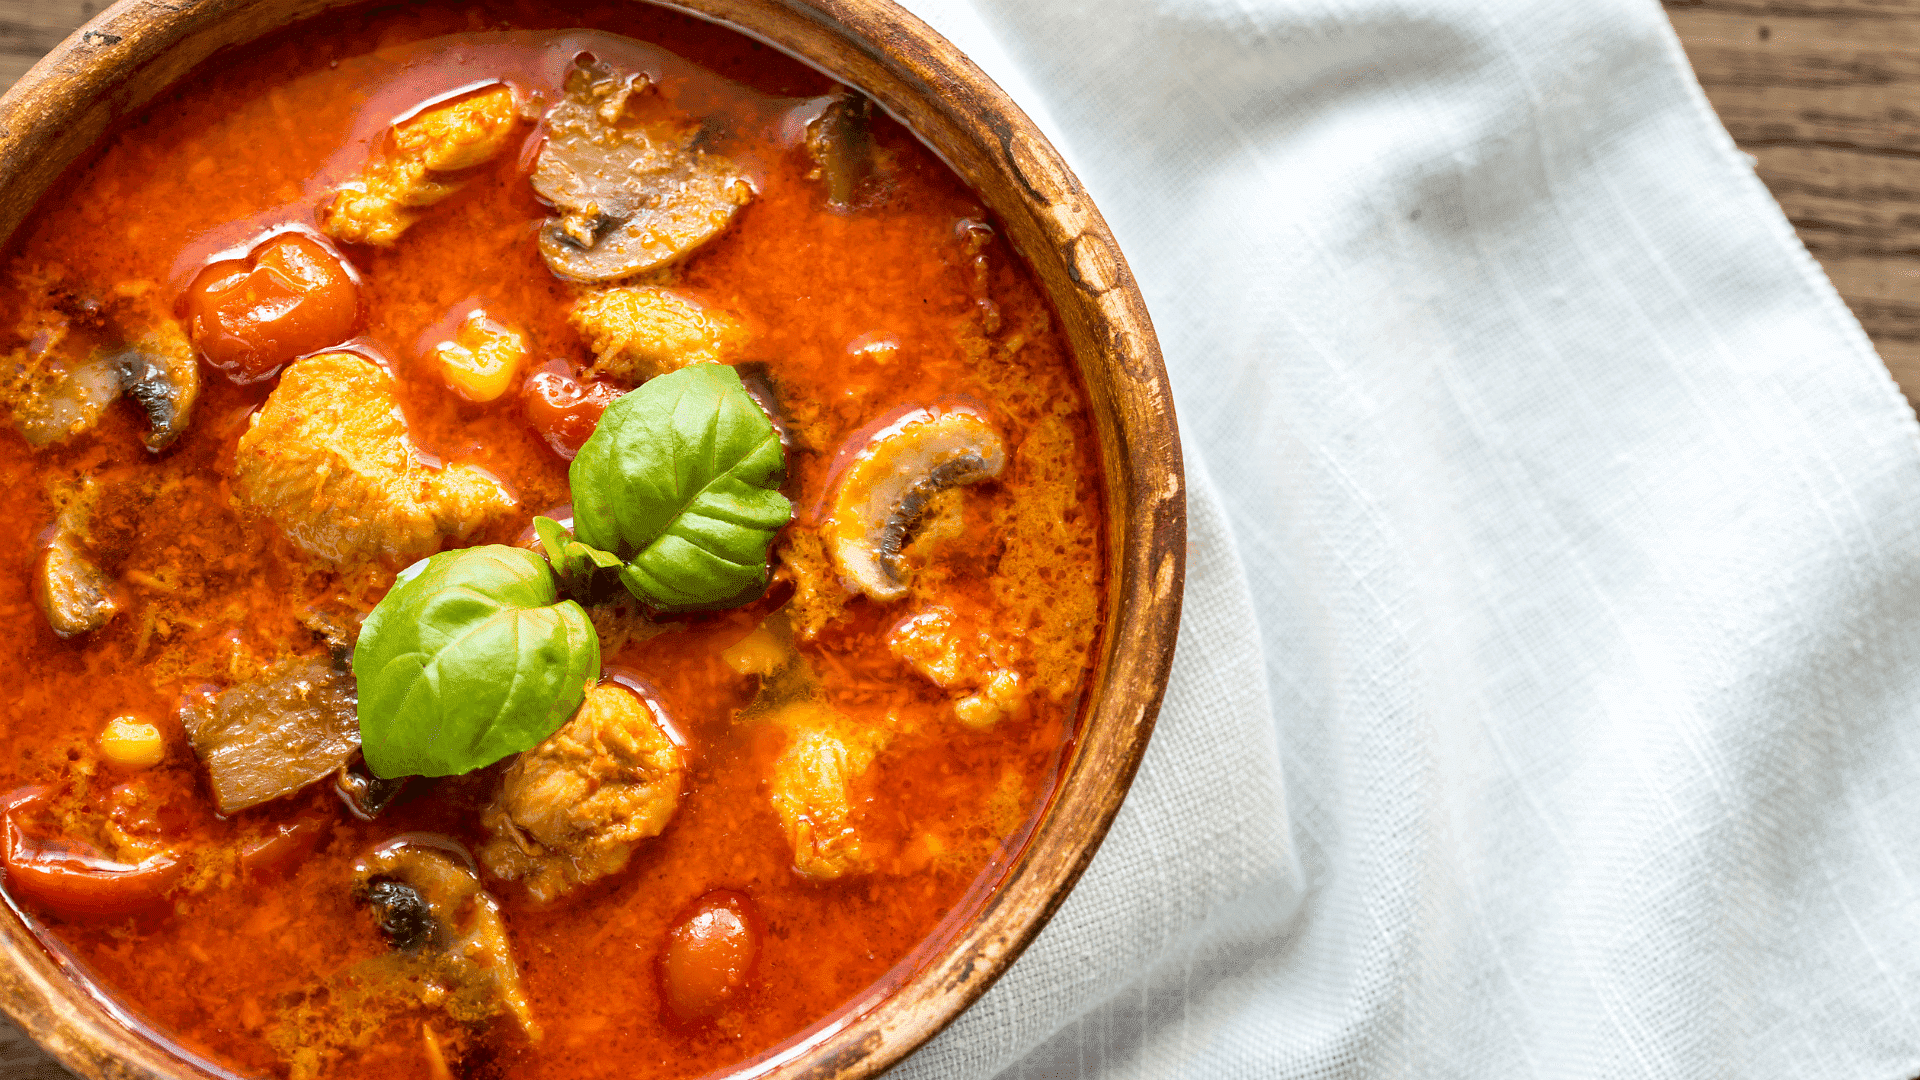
[885, 490]
[81, 354]
[426, 893]
[274, 735]
[160, 374]
[571, 810]
[632, 197]
[76, 595]
[53, 398]
[840, 141]
[365, 795]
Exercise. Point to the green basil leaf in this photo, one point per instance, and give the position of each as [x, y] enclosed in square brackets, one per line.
[586, 574]
[553, 538]
[579, 554]
[471, 656]
[681, 480]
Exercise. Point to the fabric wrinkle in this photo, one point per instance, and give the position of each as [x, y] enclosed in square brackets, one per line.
[1571, 523]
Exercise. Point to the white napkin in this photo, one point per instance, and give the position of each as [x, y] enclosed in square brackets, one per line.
[1554, 515]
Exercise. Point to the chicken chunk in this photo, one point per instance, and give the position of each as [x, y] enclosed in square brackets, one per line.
[329, 460]
[386, 199]
[571, 810]
[642, 331]
[955, 655]
[811, 788]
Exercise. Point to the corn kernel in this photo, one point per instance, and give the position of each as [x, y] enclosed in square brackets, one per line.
[481, 362]
[132, 743]
[759, 653]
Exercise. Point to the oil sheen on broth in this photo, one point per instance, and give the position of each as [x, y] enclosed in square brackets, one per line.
[763, 813]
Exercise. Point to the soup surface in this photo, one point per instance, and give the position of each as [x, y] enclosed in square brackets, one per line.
[265, 281]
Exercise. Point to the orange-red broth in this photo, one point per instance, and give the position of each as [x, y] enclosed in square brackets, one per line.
[249, 945]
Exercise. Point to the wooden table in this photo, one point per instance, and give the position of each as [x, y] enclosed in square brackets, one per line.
[1825, 94]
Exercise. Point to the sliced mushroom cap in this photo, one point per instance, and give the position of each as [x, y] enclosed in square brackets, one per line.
[427, 895]
[632, 197]
[885, 490]
[840, 141]
[365, 795]
[76, 595]
[62, 386]
[272, 736]
[160, 374]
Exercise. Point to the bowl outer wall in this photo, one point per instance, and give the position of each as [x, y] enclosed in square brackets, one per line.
[137, 48]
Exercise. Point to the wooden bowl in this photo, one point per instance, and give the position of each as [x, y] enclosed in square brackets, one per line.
[134, 49]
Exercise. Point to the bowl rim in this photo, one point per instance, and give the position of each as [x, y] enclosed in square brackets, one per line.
[134, 50]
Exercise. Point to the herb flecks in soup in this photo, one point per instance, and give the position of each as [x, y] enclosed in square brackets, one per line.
[545, 552]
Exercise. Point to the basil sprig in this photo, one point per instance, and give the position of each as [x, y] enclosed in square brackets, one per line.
[680, 484]
[471, 656]
[474, 654]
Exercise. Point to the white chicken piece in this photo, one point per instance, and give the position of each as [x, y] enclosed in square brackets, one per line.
[387, 198]
[329, 461]
[955, 654]
[641, 331]
[571, 810]
[811, 787]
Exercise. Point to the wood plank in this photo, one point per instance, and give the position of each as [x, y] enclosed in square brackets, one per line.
[1825, 94]
[28, 28]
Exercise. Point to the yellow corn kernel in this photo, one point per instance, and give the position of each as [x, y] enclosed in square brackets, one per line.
[481, 362]
[759, 653]
[132, 743]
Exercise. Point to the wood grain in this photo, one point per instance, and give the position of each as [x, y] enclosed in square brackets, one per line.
[1825, 94]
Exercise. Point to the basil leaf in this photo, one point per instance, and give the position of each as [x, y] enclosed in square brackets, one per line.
[553, 538]
[586, 574]
[681, 481]
[471, 656]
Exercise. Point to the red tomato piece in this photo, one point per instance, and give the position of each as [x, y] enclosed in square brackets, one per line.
[563, 410]
[281, 849]
[73, 882]
[710, 955]
[291, 296]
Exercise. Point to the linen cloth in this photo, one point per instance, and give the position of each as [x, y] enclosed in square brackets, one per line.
[1550, 516]
[1545, 689]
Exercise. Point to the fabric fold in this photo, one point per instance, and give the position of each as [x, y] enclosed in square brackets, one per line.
[1578, 525]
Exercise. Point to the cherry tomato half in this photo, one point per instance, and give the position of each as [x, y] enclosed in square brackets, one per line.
[710, 954]
[563, 410]
[284, 845]
[289, 297]
[74, 882]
